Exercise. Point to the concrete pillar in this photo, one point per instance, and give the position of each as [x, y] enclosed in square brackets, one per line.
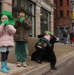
[7, 5]
[38, 12]
[52, 23]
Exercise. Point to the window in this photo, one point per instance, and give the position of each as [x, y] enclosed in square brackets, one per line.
[45, 20]
[67, 13]
[67, 2]
[30, 12]
[61, 2]
[61, 13]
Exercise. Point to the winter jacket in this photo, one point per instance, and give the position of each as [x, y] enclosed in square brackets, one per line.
[41, 42]
[6, 35]
[22, 30]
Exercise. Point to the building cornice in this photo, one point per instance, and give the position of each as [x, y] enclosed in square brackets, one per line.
[49, 2]
[38, 2]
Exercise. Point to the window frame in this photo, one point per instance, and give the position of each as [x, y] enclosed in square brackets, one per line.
[67, 2]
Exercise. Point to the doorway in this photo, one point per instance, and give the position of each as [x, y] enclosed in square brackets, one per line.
[60, 31]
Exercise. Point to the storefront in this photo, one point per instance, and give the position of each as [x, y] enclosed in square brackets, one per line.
[45, 20]
[30, 11]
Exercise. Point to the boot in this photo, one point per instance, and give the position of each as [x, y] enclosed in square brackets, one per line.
[7, 67]
[53, 67]
[3, 68]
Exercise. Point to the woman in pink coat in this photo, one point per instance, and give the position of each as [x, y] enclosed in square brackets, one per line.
[7, 31]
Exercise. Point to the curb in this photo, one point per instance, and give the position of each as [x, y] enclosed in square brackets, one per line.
[44, 68]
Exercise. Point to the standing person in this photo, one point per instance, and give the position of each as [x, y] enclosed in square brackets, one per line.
[22, 26]
[7, 31]
[72, 38]
[65, 36]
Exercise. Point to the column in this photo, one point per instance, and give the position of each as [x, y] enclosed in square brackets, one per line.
[52, 23]
[38, 12]
[7, 5]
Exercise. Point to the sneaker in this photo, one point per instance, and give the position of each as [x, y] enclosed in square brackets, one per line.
[24, 64]
[19, 64]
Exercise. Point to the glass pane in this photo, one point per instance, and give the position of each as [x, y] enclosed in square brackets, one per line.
[45, 20]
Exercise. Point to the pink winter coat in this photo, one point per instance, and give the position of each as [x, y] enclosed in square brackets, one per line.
[6, 35]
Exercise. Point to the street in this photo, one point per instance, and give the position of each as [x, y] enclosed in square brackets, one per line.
[66, 68]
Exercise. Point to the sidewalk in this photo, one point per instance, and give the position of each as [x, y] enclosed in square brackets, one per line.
[63, 52]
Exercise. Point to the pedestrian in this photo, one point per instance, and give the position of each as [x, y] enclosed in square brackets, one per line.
[22, 26]
[72, 38]
[7, 31]
[65, 36]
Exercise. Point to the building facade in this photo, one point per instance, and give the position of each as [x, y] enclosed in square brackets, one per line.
[62, 17]
[41, 13]
[72, 17]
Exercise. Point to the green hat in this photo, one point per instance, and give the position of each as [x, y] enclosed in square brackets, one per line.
[9, 15]
[49, 32]
[46, 32]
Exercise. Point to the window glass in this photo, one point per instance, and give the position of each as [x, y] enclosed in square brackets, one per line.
[61, 2]
[45, 20]
[61, 13]
[67, 13]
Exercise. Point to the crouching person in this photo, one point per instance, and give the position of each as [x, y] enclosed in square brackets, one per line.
[41, 48]
[46, 52]
[7, 31]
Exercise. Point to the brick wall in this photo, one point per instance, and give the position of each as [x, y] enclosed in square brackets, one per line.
[62, 21]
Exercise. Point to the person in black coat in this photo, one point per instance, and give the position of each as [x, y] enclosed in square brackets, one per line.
[41, 47]
[47, 54]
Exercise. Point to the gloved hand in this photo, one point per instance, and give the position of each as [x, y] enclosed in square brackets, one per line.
[21, 20]
[6, 22]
